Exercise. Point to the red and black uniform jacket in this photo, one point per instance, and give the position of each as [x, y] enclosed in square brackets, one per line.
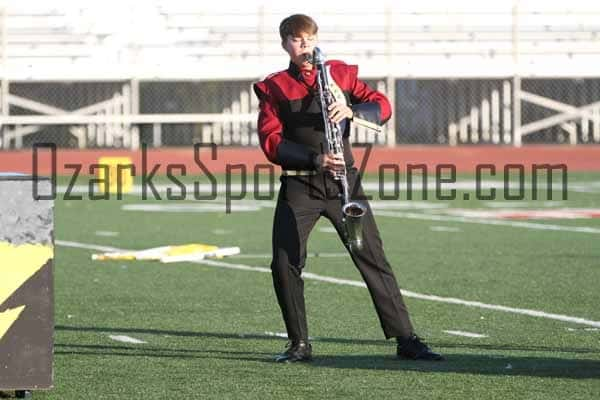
[290, 123]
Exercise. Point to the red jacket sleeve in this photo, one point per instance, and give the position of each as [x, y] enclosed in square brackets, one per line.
[269, 124]
[367, 103]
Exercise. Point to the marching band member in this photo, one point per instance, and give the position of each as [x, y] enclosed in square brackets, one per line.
[291, 131]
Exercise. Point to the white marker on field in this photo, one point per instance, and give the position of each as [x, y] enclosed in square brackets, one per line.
[221, 231]
[466, 334]
[276, 334]
[126, 339]
[106, 233]
[284, 335]
[444, 229]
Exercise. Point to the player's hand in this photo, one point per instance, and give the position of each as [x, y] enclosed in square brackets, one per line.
[332, 163]
[338, 111]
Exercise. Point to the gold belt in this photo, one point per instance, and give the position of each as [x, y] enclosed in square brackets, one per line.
[292, 172]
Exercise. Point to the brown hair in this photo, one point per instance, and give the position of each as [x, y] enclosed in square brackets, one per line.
[296, 24]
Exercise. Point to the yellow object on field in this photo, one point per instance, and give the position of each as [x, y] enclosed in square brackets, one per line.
[170, 254]
[190, 248]
[116, 166]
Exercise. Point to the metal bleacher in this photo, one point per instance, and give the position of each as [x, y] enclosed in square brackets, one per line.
[166, 39]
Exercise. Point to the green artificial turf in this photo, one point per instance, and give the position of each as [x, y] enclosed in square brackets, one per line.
[208, 330]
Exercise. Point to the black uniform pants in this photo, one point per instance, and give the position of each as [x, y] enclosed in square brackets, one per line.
[302, 201]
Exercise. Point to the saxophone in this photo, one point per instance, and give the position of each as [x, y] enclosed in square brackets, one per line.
[352, 211]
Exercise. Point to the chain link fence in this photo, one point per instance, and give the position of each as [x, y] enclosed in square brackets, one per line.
[426, 111]
[225, 100]
[571, 108]
[454, 111]
[482, 111]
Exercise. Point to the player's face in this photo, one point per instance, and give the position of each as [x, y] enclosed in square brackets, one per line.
[297, 46]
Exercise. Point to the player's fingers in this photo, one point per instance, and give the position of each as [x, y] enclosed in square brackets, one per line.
[333, 113]
[335, 105]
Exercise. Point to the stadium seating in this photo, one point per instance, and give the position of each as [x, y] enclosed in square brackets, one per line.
[45, 40]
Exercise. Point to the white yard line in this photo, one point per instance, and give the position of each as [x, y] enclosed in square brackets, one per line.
[309, 255]
[466, 334]
[189, 207]
[126, 339]
[406, 293]
[499, 222]
[66, 243]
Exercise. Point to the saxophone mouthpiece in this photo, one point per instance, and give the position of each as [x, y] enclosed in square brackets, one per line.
[308, 58]
[318, 56]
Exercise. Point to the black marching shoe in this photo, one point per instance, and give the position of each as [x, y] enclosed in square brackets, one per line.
[296, 351]
[413, 348]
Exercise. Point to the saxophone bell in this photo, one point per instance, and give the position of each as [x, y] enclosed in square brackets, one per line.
[352, 220]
